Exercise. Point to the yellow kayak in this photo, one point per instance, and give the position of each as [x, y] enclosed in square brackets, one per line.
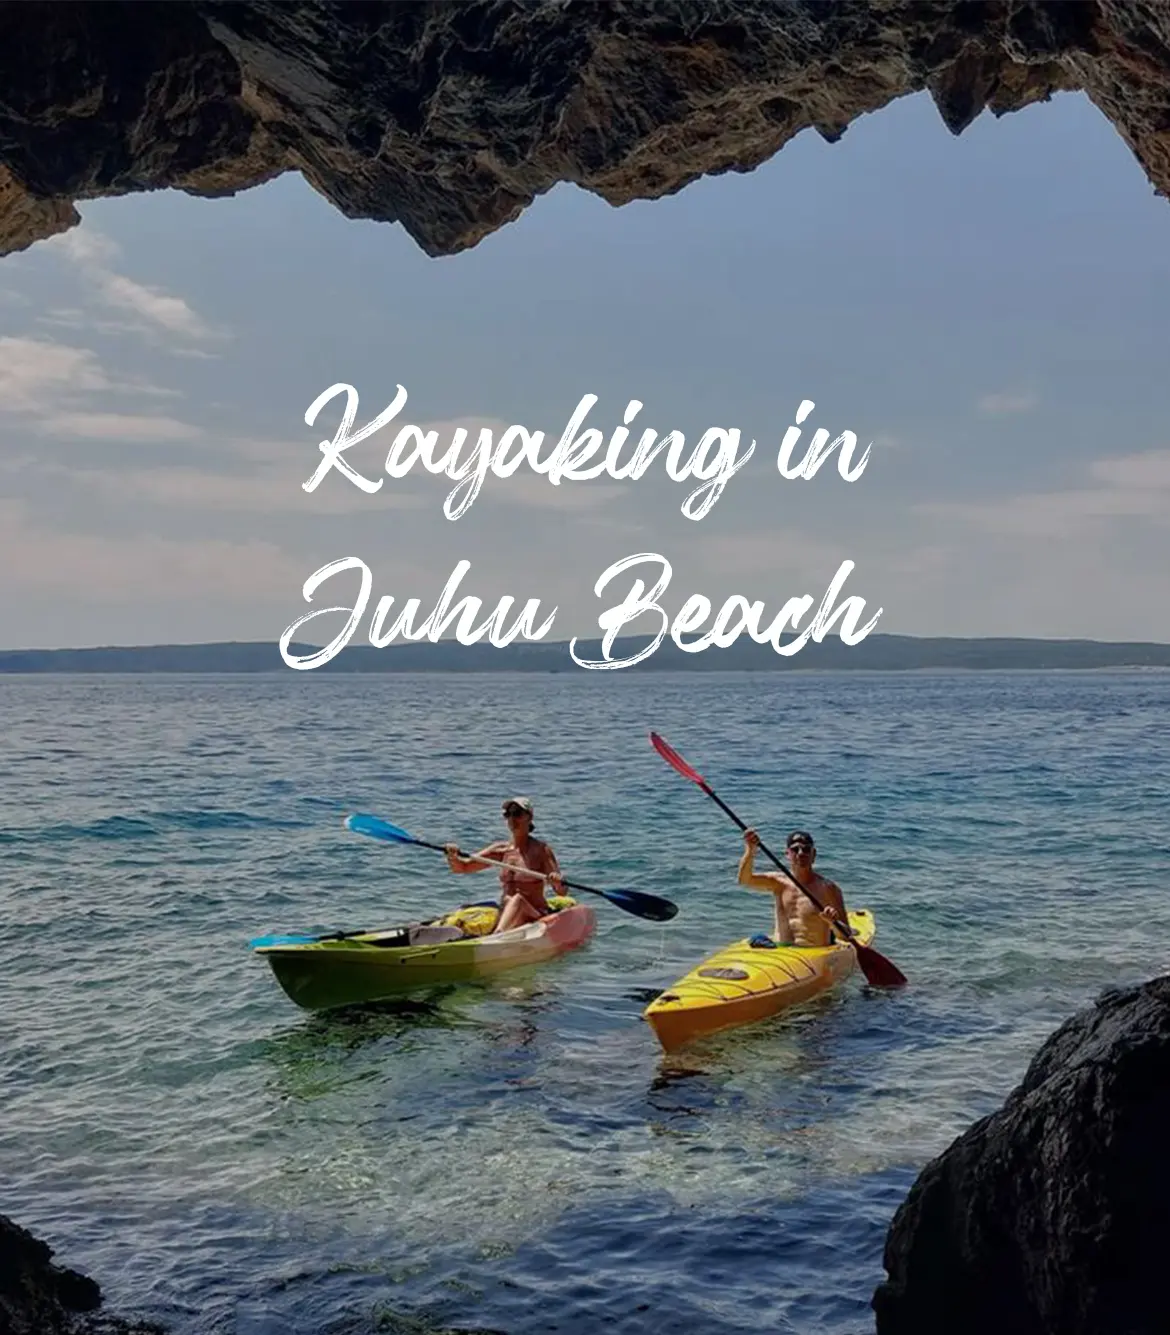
[742, 983]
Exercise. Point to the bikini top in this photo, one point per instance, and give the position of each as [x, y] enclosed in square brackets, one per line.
[512, 879]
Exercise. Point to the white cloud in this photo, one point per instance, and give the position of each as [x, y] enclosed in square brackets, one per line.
[1040, 587]
[753, 554]
[1084, 560]
[69, 317]
[49, 387]
[270, 492]
[269, 485]
[201, 353]
[531, 489]
[172, 313]
[266, 449]
[117, 426]
[1007, 403]
[1135, 486]
[86, 246]
[52, 382]
[1151, 469]
[121, 569]
[31, 369]
[95, 255]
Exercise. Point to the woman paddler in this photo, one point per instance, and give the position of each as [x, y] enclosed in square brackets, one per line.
[522, 900]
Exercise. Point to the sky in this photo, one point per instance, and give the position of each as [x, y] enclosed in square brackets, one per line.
[990, 313]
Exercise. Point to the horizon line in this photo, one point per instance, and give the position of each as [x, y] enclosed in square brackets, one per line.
[552, 644]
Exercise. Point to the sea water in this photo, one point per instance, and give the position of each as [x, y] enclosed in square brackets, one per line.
[521, 1157]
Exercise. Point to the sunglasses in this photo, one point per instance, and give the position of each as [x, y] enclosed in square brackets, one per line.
[801, 848]
[512, 813]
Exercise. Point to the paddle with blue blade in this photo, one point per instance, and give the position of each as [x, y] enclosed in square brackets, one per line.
[290, 939]
[304, 939]
[637, 902]
[878, 970]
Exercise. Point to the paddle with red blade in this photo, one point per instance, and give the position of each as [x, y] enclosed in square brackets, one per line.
[878, 970]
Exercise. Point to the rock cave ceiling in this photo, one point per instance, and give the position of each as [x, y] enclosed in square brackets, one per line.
[450, 118]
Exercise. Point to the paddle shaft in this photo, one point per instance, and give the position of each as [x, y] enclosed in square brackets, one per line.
[471, 857]
[489, 862]
[641, 905]
[521, 871]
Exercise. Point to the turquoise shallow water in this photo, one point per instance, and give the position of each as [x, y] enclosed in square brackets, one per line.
[522, 1158]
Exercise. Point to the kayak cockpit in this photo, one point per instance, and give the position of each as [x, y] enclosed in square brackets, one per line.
[418, 934]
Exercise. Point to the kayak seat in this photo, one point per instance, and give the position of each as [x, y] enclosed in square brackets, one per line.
[479, 919]
[434, 936]
[394, 940]
[763, 942]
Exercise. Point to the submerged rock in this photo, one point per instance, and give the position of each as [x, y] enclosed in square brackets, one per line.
[40, 1298]
[451, 118]
[1050, 1217]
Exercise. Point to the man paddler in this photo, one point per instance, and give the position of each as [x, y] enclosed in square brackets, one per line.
[798, 921]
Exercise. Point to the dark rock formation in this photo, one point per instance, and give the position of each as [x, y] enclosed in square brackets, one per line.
[452, 117]
[36, 1296]
[40, 1298]
[1051, 1216]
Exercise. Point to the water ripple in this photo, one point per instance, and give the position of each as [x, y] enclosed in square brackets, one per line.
[521, 1157]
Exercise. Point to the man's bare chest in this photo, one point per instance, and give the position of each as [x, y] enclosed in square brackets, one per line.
[797, 904]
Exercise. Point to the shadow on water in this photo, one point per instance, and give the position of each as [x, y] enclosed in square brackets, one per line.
[643, 996]
[353, 1027]
[322, 1052]
[803, 1066]
[383, 1320]
[314, 1057]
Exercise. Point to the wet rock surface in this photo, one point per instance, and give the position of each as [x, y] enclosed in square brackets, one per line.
[450, 118]
[38, 1297]
[1050, 1216]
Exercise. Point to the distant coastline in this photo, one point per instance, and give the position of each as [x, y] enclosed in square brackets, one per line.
[880, 653]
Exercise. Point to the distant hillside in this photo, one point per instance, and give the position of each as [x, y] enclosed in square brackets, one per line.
[887, 653]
